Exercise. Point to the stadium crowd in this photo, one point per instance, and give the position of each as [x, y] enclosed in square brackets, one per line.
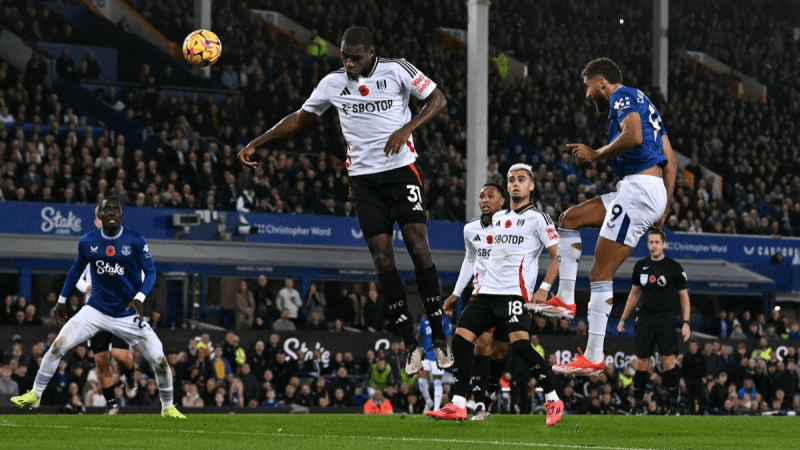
[717, 379]
[190, 157]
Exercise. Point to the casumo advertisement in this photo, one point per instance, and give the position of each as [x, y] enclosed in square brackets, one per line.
[155, 223]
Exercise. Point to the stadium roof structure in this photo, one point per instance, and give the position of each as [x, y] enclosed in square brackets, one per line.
[705, 276]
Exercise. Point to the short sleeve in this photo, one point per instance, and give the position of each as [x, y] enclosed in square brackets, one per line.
[622, 104]
[547, 231]
[680, 277]
[414, 81]
[637, 270]
[319, 101]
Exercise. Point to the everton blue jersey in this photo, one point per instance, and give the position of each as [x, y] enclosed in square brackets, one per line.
[116, 266]
[626, 100]
[427, 339]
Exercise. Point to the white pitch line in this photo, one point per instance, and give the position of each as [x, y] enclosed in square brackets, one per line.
[326, 436]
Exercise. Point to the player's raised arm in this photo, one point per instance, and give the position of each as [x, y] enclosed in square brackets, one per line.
[289, 125]
[629, 138]
[670, 171]
[434, 104]
[73, 276]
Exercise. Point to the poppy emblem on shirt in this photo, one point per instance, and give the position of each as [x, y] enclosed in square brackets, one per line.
[110, 250]
[126, 250]
[508, 224]
[652, 278]
[490, 239]
[363, 90]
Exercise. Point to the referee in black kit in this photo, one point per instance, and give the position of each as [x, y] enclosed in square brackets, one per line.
[657, 280]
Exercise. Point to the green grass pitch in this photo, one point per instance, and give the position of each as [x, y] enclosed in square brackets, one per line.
[343, 432]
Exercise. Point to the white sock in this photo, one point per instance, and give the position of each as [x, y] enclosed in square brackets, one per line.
[437, 394]
[426, 392]
[459, 401]
[568, 259]
[46, 371]
[551, 396]
[598, 319]
[164, 382]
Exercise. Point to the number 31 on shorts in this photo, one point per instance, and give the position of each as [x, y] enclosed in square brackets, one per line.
[414, 193]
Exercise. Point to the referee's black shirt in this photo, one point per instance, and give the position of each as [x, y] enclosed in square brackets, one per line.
[660, 282]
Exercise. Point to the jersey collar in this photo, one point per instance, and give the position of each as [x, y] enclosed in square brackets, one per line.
[112, 237]
[369, 72]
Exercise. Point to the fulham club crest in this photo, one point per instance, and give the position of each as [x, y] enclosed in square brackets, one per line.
[381, 85]
[110, 250]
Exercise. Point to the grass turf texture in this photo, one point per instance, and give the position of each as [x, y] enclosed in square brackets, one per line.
[339, 431]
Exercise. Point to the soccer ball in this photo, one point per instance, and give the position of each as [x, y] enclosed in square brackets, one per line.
[202, 48]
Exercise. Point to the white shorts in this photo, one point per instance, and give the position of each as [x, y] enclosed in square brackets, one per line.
[639, 202]
[89, 321]
[430, 366]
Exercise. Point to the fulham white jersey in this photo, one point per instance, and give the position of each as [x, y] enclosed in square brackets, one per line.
[370, 109]
[478, 242]
[518, 239]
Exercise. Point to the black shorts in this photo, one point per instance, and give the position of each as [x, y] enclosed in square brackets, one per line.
[380, 199]
[99, 342]
[652, 330]
[500, 333]
[499, 311]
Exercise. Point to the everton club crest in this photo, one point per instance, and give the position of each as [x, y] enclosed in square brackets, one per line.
[126, 250]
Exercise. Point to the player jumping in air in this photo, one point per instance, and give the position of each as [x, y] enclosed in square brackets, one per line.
[371, 95]
[117, 257]
[519, 235]
[640, 154]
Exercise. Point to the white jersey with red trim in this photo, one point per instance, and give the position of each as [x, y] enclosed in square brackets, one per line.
[370, 109]
[518, 239]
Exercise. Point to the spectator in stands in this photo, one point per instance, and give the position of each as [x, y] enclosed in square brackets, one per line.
[694, 369]
[289, 299]
[315, 301]
[285, 323]
[247, 201]
[358, 300]
[270, 401]
[315, 323]
[374, 317]
[245, 307]
[737, 332]
[265, 306]
[65, 66]
[377, 404]
[36, 69]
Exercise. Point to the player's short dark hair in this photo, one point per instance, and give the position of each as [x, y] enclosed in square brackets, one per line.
[358, 36]
[605, 68]
[498, 187]
[111, 197]
[660, 233]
